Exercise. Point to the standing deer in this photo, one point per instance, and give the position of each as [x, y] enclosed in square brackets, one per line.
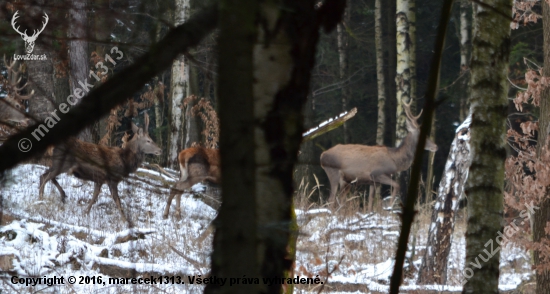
[100, 164]
[197, 164]
[12, 110]
[345, 164]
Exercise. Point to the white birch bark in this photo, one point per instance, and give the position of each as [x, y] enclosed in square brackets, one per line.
[178, 90]
[403, 75]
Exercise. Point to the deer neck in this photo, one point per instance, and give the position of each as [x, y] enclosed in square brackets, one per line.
[403, 155]
[132, 157]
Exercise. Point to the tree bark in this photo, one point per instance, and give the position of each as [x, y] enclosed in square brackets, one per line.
[391, 92]
[178, 91]
[78, 53]
[284, 52]
[343, 45]
[434, 263]
[41, 77]
[381, 83]
[403, 74]
[235, 239]
[542, 215]
[412, 51]
[465, 48]
[484, 188]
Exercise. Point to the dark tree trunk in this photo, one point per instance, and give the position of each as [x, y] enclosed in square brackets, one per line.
[78, 53]
[485, 185]
[542, 215]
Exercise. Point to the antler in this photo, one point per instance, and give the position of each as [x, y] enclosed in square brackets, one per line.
[410, 116]
[12, 82]
[146, 116]
[15, 16]
[36, 33]
[43, 25]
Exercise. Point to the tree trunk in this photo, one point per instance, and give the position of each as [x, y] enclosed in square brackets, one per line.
[542, 215]
[78, 53]
[284, 55]
[465, 48]
[178, 90]
[434, 263]
[412, 51]
[235, 239]
[403, 74]
[41, 77]
[391, 93]
[343, 45]
[379, 72]
[402, 80]
[484, 188]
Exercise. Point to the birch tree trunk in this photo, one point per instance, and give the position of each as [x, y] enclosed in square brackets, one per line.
[542, 215]
[381, 83]
[489, 105]
[403, 72]
[402, 80]
[391, 92]
[434, 263]
[412, 51]
[178, 90]
[269, 125]
[343, 45]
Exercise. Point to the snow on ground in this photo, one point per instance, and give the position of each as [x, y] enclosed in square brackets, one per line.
[52, 239]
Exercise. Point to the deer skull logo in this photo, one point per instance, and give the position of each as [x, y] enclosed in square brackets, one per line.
[29, 40]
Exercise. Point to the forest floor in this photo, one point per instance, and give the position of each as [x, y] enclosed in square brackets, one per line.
[350, 251]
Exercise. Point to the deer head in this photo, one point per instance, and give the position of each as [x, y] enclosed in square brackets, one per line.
[141, 140]
[414, 128]
[29, 40]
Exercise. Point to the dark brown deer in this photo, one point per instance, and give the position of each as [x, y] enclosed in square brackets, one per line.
[100, 164]
[12, 109]
[197, 164]
[345, 164]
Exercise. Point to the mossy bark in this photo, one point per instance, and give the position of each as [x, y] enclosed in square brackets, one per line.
[489, 105]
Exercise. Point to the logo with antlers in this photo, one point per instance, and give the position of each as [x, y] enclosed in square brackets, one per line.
[29, 40]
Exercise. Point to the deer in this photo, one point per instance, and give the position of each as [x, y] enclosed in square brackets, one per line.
[197, 164]
[346, 164]
[100, 164]
[12, 108]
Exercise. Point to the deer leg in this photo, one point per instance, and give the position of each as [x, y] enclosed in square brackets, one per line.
[50, 175]
[61, 191]
[97, 189]
[372, 188]
[113, 186]
[387, 180]
[178, 205]
[333, 177]
[173, 192]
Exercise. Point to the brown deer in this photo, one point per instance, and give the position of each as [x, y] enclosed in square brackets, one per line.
[345, 164]
[100, 164]
[12, 109]
[197, 164]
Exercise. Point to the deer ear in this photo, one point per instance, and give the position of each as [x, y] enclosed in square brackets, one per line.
[134, 128]
[140, 132]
